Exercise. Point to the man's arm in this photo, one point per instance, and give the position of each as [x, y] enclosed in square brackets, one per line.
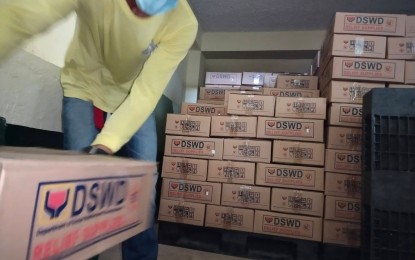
[147, 89]
[21, 19]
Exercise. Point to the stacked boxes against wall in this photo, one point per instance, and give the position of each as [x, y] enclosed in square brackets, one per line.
[296, 176]
[353, 61]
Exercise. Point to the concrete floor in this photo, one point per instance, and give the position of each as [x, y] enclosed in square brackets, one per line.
[171, 253]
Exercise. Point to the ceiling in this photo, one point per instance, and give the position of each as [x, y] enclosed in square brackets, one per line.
[285, 15]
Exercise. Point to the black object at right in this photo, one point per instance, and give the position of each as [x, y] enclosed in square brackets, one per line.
[2, 131]
[388, 175]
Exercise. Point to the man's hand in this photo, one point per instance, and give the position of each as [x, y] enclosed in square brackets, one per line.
[97, 149]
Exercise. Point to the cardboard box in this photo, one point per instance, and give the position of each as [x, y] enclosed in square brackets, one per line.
[291, 129]
[370, 24]
[231, 172]
[192, 191]
[290, 176]
[342, 161]
[253, 105]
[49, 202]
[270, 80]
[341, 233]
[211, 102]
[345, 114]
[184, 168]
[254, 78]
[410, 71]
[344, 138]
[182, 212]
[343, 185]
[223, 78]
[343, 209]
[312, 108]
[400, 86]
[234, 126]
[298, 152]
[297, 202]
[363, 69]
[297, 82]
[243, 196]
[247, 150]
[401, 48]
[194, 147]
[286, 225]
[348, 91]
[230, 218]
[291, 93]
[215, 93]
[410, 26]
[188, 125]
[203, 109]
[351, 45]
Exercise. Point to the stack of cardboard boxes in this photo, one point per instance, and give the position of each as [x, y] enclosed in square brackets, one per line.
[224, 160]
[360, 52]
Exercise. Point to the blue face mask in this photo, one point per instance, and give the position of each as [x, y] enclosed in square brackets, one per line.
[153, 7]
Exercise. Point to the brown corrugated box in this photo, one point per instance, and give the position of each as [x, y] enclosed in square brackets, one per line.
[184, 168]
[244, 196]
[344, 138]
[223, 78]
[182, 212]
[231, 172]
[188, 125]
[229, 218]
[291, 129]
[363, 69]
[247, 150]
[343, 161]
[193, 191]
[286, 225]
[343, 185]
[255, 105]
[348, 91]
[291, 92]
[195, 147]
[62, 205]
[401, 48]
[234, 126]
[305, 153]
[211, 102]
[343, 209]
[254, 78]
[345, 114]
[369, 23]
[297, 82]
[202, 109]
[351, 45]
[297, 202]
[290, 176]
[215, 93]
[410, 26]
[410, 71]
[342, 233]
[312, 108]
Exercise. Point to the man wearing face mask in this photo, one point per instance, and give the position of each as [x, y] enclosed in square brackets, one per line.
[119, 62]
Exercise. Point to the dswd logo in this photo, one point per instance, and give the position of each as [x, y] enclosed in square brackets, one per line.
[55, 203]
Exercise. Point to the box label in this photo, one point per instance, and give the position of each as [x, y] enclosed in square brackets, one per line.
[94, 210]
[193, 147]
[370, 23]
[289, 128]
[287, 226]
[350, 114]
[347, 161]
[368, 69]
[305, 178]
[347, 209]
[191, 191]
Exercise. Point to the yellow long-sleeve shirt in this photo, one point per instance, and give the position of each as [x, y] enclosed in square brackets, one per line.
[108, 61]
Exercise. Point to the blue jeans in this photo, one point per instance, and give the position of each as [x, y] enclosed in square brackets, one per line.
[79, 132]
